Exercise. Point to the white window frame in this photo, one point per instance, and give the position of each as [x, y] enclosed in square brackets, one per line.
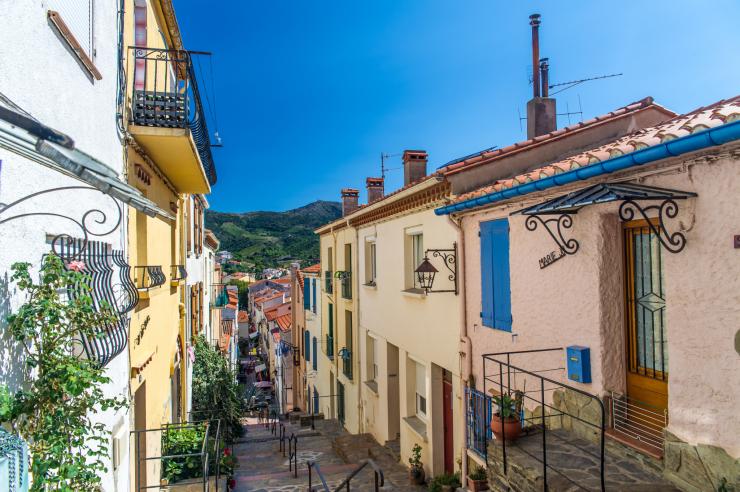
[420, 391]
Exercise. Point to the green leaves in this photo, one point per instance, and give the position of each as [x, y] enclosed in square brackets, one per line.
[61, 390]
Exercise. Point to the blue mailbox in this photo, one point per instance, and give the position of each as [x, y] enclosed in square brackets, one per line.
[579, 363]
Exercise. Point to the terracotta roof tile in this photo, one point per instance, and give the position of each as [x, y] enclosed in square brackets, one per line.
[243, 317]
[717, 114]
[313, 268]
[284, 322]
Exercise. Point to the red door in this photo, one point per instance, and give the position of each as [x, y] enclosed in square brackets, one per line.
[447, 417]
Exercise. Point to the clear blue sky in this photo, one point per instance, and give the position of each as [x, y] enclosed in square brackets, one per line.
[309, 93]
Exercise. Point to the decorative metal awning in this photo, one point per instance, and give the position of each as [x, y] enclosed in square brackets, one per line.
[555, 214]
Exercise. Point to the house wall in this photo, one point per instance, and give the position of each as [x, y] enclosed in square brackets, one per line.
[313, 324]
[579, 299]
[44, 78]
[409, 327]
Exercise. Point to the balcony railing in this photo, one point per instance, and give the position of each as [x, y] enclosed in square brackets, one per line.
[330, 346]
[347, 285]
[346, 356]
[219, 297]
[178, 273]
[329, 281]
[148, 276]
[165, 95]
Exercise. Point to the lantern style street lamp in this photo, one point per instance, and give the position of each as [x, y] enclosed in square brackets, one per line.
[425, 273]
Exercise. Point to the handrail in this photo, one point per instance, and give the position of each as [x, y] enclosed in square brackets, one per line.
[311, 465]
[542, 380]
[293, 454]
[378, 473]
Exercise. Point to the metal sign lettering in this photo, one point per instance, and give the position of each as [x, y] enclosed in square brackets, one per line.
[551, 258]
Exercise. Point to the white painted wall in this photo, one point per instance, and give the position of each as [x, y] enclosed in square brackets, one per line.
[42, 76]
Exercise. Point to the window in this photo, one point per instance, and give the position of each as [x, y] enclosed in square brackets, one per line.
[330, 332]
[77, 15]
[421, 391]
[347, 277]
[329, 273]
[370, 262]
[313, 295]
[495, 281]
[414, 246]
[372, 357]
[306, 295]
[348, 355]
[315, 358]
[307, 344]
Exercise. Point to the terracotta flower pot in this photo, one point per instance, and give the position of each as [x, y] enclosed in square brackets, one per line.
[477, 485]
[511, 425]
[417, 475]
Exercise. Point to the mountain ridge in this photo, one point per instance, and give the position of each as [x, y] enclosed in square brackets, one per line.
[267, 239]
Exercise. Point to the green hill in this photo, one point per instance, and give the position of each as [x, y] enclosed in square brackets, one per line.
[271, 239]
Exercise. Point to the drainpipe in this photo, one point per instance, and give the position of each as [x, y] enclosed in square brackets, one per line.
[465, 349]
[355, 359]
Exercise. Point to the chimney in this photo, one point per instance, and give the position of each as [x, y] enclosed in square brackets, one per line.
[541, 113]
[350, 198]
[414, 166]
[375, 189]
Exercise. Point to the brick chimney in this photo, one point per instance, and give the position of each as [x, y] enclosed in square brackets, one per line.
[414, 166]
[541, 111]
[375, 189]
[350, 199]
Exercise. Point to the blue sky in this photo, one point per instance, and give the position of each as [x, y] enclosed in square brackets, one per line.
[309, 93]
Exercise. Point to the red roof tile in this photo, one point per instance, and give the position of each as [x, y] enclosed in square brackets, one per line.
[284, 322]
[243, 317]
[312, 269]
[719, 113]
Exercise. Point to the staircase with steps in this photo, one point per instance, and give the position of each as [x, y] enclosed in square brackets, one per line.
[262, 467]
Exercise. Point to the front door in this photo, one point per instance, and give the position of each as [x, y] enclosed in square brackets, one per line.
[447, 419]
[647, 338]
[340, 402]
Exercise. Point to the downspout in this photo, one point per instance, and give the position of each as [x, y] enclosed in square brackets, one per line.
[465, 345]
[356, 360]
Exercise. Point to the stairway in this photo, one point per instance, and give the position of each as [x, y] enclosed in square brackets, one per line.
[262, 467]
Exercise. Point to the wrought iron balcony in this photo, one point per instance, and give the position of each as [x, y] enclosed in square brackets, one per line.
[219, 297]
[165, 94]
[178, 273]
[148, 276]
[329, 281]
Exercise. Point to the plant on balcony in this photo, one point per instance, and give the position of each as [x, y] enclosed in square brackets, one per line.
[416, 467]
[62, 389]
[185, 444]
[216, 393]
[505, 421]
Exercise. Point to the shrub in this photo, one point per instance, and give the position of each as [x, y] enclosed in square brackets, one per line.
[451, 479]
[478, 473]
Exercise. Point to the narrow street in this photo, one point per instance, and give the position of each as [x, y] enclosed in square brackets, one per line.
[263, 468]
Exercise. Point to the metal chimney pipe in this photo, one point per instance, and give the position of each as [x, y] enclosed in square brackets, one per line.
[544, 73]
[534, 21]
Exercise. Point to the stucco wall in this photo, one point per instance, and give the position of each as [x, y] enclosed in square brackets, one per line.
[45, 79]
[579, 299]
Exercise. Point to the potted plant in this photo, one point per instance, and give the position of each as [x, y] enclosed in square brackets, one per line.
[477, 479]
[447, 482]
[416, 468]
[506, 418]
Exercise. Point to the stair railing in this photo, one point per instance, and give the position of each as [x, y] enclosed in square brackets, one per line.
[311, 466]
[282, 438]
[377, 472]
[293, 455]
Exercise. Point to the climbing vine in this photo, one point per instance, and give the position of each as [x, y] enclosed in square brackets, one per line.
[62, 389]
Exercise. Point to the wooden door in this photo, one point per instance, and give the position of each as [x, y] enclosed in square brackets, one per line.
[647, 342]
[447, 420]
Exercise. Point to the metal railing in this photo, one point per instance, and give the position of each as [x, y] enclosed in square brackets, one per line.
[165, 94]
[329, 281]
[293, 454]
[378, 477]
[477, 417]
[639, 421]
[219, 296]
[148, 276]
[312, 465]
[330, 346]
[502, 382]
[347, 285]
[178, 272]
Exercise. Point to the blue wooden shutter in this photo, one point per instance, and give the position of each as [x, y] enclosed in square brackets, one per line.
[306, 294]
[495, 278]
[313, 291]
[307, 344]
[315, 359]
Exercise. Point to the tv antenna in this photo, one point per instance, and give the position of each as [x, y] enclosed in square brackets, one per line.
[383, 169]
[567, 85]
[568, 113]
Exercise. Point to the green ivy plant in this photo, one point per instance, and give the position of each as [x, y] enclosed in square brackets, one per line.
[216, 394]
[62, 389]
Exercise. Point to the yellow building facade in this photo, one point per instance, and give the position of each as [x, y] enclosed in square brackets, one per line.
[168, 159]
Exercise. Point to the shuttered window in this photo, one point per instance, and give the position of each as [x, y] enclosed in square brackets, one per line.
[315, 358]
[306, 294]
[313, 292]
[495, 277]
[78, 16]
[307, 344]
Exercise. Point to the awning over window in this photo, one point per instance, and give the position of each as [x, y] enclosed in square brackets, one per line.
[22, 134]
[603, 193]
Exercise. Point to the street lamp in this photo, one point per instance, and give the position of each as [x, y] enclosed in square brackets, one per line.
[425, 274]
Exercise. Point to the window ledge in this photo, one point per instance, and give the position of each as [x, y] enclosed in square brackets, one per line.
[61, 27]
[373, 385]
[417, 425]
[370, 285]
[417, 293]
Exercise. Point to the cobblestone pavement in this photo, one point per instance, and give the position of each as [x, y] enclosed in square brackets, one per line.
[262, 467]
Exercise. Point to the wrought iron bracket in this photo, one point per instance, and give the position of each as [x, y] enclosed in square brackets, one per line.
[555, 226]
[674, 242]
[449, 259]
